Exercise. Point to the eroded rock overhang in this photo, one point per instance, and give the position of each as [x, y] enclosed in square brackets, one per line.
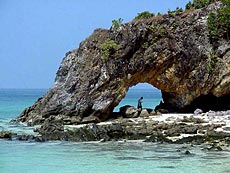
[172, 53]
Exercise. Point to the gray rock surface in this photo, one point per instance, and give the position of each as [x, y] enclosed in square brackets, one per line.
[172, 53]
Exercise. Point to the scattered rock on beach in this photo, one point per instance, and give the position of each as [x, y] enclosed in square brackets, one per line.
[129, 111]
[198, 112]
[6, 134]
[132, 112]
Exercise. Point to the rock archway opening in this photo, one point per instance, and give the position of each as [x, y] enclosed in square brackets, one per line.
[151, 97]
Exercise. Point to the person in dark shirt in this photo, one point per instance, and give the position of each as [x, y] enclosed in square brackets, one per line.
[139, 106]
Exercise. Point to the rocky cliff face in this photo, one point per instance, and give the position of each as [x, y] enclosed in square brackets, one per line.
[171, 52]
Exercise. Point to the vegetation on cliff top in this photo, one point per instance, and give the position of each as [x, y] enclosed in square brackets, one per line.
[116, 24]
[219, 23]
[144, 15]
[196, 4]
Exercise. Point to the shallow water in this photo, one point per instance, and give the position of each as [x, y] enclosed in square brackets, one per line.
[111, 157]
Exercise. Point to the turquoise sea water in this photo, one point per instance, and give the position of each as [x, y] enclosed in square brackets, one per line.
[95, 157]
[13, 101]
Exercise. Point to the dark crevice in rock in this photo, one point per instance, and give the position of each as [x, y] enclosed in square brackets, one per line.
[204, 102]
[209, 102]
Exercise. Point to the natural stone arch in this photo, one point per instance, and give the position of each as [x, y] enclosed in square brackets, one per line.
[140, 90]
[172, 53]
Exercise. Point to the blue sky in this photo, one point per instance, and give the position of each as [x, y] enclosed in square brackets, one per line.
[35, 35]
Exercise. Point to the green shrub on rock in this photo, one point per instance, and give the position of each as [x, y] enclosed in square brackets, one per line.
[219, 23]
[212, 63]
[175, 12]
[159, 14]
[212, 26]
[224, 17]
[189, 5]
[196, 4]
[144, 15]
[201, 3]
[116, 24]
[109, 47]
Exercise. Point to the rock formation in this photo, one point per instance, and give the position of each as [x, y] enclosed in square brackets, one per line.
[211, 127]
[172, 52]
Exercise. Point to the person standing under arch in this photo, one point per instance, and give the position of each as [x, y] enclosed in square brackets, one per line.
[139, 105]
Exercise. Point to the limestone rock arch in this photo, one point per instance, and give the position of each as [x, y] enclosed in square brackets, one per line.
[172, 53]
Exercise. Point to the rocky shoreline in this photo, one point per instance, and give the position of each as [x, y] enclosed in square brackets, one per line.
[198, 128]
